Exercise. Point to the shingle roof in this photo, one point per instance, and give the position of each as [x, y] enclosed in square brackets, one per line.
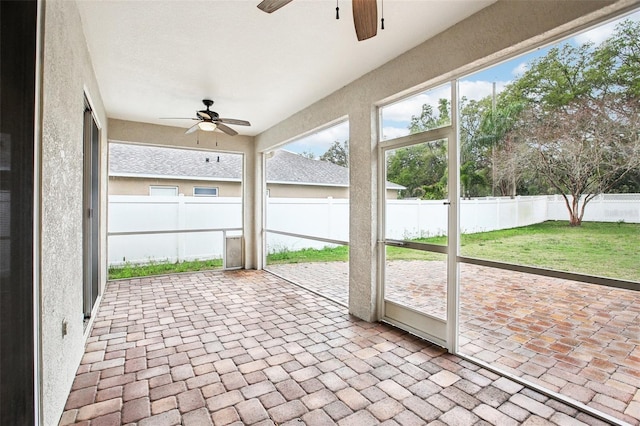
[287, 166]
[282, 167]
[127, 159]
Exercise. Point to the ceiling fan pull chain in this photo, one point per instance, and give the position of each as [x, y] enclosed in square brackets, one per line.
[337, 10]
[382, 10]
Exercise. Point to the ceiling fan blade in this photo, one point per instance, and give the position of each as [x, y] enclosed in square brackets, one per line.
[365, 18]
[226, 129]
[272, 5]
[204, 114]
[192, 129]
[233, 121]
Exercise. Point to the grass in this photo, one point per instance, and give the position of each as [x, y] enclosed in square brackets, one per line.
[132, 270]
[327, 254]
[595, 248]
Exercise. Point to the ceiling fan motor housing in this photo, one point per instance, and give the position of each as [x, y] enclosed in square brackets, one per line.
[207, 114]
[214, 115]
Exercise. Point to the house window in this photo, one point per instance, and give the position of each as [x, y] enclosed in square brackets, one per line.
[163, 191]
[205, 191]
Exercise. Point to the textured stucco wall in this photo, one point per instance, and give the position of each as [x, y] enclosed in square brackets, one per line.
[66, 72]
[496, 32]
[309, 191]
[152, 134]
[119, 185]
[312, 191]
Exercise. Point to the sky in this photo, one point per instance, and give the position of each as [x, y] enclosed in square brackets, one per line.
[396, 117]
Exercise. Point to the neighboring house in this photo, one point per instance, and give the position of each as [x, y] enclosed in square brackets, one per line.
[152, 170]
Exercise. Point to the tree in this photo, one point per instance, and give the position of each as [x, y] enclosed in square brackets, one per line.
[578, 125]
[495, 134]
[618, 58]
[338, 153]
[308, 154]
[422, 169]
[428, 119]
[474, 167]
[583, 149]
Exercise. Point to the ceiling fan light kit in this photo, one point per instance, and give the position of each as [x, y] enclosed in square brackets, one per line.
[207, 126]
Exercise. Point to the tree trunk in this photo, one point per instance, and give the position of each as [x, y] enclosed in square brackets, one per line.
[575, 218]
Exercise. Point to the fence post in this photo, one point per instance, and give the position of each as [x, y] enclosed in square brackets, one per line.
[329, 214]
[418, 218]
[181, 225]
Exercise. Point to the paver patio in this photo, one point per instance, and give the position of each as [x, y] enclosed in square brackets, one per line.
[246, 347]
[577, 339]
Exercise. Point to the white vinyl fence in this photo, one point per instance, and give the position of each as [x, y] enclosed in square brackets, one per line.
[135, 220]
[322, 218]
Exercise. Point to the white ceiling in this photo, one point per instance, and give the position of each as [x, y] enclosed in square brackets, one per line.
[158, 59]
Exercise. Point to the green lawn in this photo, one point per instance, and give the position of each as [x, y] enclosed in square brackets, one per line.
[131, 270]
[596, 248]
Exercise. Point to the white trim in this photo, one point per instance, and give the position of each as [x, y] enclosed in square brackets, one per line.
[279, 182]
[94, 313]
[453, 226]
[174, 177]
[431, 328]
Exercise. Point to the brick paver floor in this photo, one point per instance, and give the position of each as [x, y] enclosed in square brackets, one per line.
[577, 339]
[246, 347]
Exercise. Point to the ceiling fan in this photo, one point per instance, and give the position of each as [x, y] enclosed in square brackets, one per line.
[209, 121]
[365, 15]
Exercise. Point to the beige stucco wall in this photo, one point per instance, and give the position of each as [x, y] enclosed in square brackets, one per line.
[312, 191]
[66, 73]
[491, 35]
[277, 190]
[119, 185]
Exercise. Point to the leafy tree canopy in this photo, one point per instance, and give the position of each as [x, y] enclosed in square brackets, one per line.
[338, 153]
[578, 127]
[422, 168]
